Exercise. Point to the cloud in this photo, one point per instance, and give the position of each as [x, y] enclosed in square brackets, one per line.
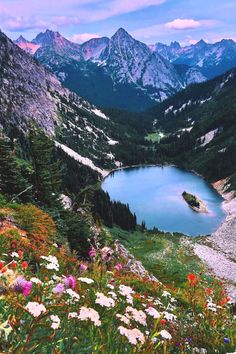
[23, 24]
[83, 37]
[183, 24]
[65, 12]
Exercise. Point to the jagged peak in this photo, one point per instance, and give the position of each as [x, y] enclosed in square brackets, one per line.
[47, 37]
[21, 39]
[201, 43]
[175, 45]
[121, 32]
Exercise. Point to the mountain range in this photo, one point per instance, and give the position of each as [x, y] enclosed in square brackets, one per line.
[31, 96]
[124, 73]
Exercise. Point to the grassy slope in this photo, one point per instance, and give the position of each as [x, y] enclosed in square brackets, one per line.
[165, 255]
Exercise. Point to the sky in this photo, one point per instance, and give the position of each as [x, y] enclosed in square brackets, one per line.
[150, 21]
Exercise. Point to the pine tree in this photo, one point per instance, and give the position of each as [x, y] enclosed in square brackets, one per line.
[12, 183]
[47, 174]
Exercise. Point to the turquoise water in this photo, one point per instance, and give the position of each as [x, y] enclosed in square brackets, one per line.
[155, 195]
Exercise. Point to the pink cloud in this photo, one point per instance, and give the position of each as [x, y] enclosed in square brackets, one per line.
[183, 24]
[83, 37]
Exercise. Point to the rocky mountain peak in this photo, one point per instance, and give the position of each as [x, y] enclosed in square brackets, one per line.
[21, 39]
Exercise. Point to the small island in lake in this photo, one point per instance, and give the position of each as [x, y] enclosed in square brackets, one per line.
[194, 202]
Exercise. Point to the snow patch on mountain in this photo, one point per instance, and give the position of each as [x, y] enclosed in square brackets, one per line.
[99, 113]
[208, 137]
[83, 160]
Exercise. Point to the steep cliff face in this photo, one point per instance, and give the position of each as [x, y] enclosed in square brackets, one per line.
[31, 95]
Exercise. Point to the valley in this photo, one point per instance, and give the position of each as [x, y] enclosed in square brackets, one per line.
[91, 206]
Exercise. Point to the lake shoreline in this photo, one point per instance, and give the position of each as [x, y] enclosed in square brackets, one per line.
[218, 251]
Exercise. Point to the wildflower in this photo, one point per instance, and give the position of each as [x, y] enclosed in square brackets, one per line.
[82, 267]
[1, 265]
[165, 334]
[138, 316]
[36, 280]
[112, 294]
[89, 314]
[169, 316]
[74, 296]
[192, 279]
[20, 253]
[3, 270]
[166, 294]
[163, 321]
[35, 308]
[125, 290]
[24, 265]
[104, 301]
[72, 315]
[86, 280]
[55, 321]
[153, 312]
[208, 291]
[14, 255]
[92, 252]
[58, 289]
[22, 286]
[52, 262]
[118, 267]
[13, 264]
[133, 335]
[106, 254]
[125, 319]
[226, 340]
[225, 300]
[70, 282]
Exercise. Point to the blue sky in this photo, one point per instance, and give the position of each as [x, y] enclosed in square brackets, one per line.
[150, 21]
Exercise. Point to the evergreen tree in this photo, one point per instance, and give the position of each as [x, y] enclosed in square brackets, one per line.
[12, 182]
[47, 174]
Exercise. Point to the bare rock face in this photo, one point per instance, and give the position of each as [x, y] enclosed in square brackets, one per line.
[30, 95]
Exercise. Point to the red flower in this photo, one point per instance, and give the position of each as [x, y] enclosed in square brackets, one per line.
[24, 265]
[1, 265]
[13, 264]
[208, 291]
[163, 322]
[20, 253]
[4, 270]
[225, 300]
[192, 279]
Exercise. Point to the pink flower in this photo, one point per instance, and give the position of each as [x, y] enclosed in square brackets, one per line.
[106, 254]
[83, 267]
[23, 286]
[92, 252]
[118, 267]
[70, 282]
[59, 288]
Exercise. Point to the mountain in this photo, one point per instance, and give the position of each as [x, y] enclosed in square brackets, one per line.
[210, 59]
[199, 126]
[31, 95]
[119, 72]
[93, 48]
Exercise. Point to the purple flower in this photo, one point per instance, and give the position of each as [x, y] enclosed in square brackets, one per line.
[83, 267]
[23, 286]
[118, 267]
[59, 288]
[226, 340]
[92, 252]
[70, 282]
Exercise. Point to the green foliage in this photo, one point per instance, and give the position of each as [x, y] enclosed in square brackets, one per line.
[46, 172]
[12, 182]
[113, 213]
[191, 199]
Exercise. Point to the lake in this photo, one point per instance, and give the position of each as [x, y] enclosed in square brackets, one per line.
[154, 194]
